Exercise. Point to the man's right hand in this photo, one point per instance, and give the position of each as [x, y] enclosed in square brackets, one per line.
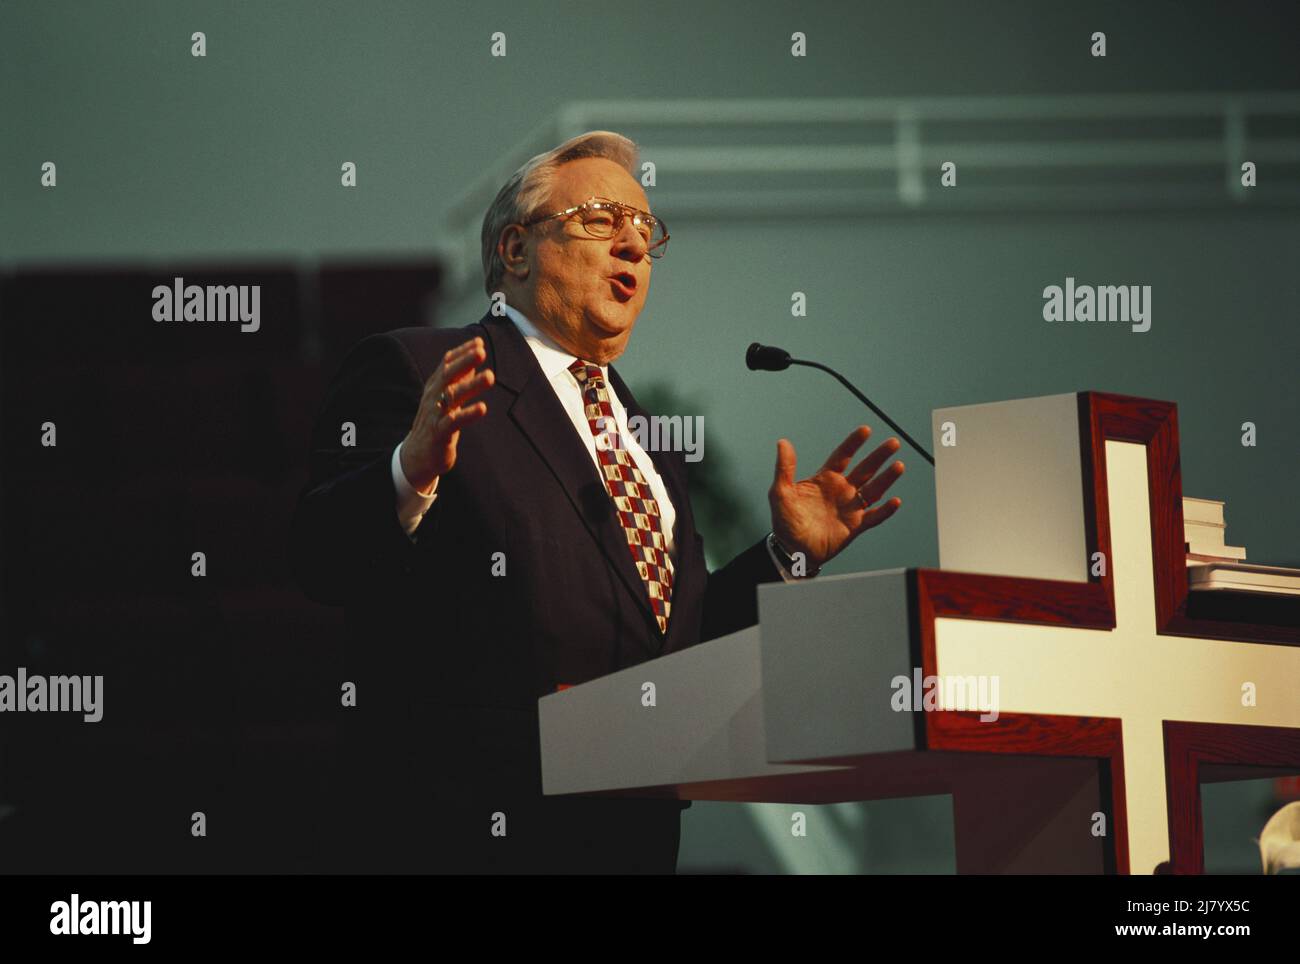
[429, 449]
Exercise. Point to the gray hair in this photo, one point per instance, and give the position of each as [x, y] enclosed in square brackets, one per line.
[529, 188]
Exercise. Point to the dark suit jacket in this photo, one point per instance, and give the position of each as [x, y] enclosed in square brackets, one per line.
[449, 660]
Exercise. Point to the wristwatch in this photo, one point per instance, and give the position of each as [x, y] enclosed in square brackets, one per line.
[787, 559]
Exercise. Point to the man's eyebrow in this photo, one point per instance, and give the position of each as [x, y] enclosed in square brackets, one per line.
[631, 207]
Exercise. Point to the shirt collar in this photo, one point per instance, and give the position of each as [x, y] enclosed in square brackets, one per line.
[550, 356]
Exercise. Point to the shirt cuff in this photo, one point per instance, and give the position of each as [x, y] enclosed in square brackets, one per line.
[411, 504]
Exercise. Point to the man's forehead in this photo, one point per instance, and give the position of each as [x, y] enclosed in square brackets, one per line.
[578, 180]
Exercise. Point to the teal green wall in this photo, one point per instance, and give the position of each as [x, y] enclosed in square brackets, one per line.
[165, 155]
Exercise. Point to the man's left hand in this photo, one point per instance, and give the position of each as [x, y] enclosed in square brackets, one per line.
[821, 515]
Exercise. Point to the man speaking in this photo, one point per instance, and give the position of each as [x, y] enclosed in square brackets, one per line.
[496, 532]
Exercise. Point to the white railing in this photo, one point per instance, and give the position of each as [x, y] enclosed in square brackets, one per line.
[835, 157]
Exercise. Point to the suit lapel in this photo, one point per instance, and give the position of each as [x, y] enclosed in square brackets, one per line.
[538, 414]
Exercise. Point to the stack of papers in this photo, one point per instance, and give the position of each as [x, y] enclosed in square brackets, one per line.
[1214, 565]
[1203, 531]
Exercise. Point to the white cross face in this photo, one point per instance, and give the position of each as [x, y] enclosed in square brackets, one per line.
[1147, 700]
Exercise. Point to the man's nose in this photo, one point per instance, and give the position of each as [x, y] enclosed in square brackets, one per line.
[629, 239]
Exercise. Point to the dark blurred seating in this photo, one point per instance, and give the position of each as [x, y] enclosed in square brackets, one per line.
[221, 694]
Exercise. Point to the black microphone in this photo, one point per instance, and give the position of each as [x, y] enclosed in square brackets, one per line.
[767, 358]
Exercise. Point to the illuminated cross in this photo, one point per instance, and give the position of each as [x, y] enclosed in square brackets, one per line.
[1124, 666]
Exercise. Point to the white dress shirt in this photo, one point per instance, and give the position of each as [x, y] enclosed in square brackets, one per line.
[555, 361]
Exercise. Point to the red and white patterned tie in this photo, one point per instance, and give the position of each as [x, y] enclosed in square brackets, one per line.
[638, 512]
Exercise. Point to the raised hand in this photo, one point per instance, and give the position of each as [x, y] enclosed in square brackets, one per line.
[429, 450]
[822, 514]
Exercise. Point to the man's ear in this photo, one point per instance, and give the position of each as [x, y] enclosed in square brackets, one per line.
[512, 248]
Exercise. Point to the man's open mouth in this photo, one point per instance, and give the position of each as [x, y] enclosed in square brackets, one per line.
[624, 285]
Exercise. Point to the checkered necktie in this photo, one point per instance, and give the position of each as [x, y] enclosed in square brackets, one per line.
[638, 512]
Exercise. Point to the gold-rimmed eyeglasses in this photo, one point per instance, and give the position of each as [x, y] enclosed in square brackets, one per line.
[603, 218]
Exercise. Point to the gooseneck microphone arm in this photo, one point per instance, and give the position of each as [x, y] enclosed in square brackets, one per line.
[766, 358]
[868, 402]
